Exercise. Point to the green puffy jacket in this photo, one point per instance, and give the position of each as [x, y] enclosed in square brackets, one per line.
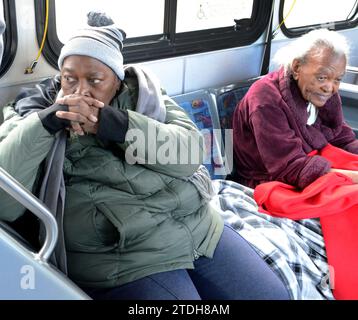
[122, 221]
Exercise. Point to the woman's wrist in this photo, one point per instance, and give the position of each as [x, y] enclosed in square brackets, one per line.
[50, 121]
[113, 125]
[349, 173]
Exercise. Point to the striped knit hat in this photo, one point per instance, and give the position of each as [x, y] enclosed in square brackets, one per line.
[101, 40]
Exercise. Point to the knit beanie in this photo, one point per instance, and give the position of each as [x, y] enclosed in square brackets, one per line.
[101, 40]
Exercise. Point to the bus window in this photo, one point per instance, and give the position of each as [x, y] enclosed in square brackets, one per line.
[161, 28]
[8, 12]
[2, 29]
[299, 16]
[201, 15]
[149, 16]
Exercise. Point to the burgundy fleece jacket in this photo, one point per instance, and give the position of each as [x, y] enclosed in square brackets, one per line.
[272, 139]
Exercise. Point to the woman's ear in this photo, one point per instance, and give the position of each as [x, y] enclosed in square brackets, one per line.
[118, 85]
[295, 67]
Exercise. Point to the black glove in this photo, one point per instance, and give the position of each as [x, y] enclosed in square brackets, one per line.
[49, 120]
[113, 125]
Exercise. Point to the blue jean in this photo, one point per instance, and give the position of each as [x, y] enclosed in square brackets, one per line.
[236, 272]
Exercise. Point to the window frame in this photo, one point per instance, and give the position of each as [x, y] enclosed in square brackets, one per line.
[169, 44]
[299, 31]
[10, 36]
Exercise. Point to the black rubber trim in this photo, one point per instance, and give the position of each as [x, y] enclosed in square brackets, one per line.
[10, 36]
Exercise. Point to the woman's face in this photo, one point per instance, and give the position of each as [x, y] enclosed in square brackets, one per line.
[319, 76]
[88, 77]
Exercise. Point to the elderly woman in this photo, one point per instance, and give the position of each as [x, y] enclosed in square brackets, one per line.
[134, 228]
[292, 111]
[292, 145]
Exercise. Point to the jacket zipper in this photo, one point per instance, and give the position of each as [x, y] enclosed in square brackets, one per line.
[196, 254]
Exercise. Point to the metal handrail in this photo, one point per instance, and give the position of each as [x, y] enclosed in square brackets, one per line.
[352, 69]
[28, 200]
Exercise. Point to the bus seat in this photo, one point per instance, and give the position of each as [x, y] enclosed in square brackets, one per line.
[227, 98]
[211, 110]
[349, 94]
[201, 108]
[22, 263]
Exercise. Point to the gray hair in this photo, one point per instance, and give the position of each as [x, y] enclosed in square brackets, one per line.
[317, 39]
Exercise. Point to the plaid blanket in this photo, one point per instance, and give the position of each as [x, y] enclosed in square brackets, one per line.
[294, 249]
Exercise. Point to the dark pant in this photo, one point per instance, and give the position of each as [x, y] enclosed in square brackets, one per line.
[235, 272]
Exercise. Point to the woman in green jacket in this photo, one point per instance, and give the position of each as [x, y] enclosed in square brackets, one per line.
[136, 217]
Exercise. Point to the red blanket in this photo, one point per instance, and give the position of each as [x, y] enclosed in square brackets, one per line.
[334, 199]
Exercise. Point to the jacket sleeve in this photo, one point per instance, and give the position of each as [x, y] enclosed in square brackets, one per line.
[174, 147]
[346, 139]
[24, 143]
[37, 98]
[281, 150]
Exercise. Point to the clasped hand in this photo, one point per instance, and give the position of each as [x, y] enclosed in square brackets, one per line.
[83, 112]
